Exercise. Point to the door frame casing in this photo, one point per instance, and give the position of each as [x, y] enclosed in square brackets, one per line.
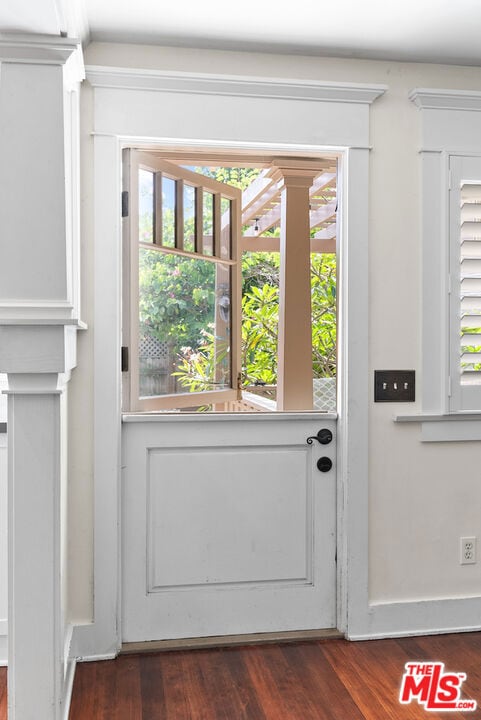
[130, 108]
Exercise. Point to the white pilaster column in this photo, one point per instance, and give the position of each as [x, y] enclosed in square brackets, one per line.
[38, 360]
[36, 623]
[39, 319]
[294, 374]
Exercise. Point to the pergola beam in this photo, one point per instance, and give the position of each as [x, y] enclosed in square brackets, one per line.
[256, 189]
[325, 244]
[257, 208]
[327, 233]
[324, 213]
[266, 220]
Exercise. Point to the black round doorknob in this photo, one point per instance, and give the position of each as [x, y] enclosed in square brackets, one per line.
[324, 464]
[324, 436]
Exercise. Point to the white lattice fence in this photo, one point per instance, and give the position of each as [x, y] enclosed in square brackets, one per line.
[324, 394]
[156, 365]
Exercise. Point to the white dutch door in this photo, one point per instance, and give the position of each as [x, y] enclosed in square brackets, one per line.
[228, 506]
[228, 527]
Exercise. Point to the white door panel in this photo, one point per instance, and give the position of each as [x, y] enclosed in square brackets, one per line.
[228, 527]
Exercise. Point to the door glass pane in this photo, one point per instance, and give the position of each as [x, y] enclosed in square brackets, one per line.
[184, 324]
[189, 218]
[208, 202]
[324, 348]
[225, 225]
[168, 212]
[146, 206]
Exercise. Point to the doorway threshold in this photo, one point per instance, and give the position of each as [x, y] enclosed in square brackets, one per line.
[218, 641]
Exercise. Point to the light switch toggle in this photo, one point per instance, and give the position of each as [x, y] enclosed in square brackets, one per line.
[394, 385]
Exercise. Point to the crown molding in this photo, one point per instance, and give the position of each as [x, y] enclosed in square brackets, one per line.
[207, 84]
[36, 49]
[434, 99]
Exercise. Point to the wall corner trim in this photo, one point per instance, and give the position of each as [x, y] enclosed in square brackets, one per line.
[440, 99]
[237, 85]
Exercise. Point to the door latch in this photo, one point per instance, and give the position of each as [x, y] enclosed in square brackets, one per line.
[324, 436]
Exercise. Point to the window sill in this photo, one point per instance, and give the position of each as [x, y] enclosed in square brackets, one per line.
[448, 427]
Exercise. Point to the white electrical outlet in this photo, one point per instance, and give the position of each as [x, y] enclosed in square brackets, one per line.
[468, 550]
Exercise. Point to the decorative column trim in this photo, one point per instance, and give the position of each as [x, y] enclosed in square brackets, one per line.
[38, 360]
[36, 49]
[39, 149]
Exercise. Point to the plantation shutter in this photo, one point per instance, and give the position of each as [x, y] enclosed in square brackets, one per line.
[465, 284]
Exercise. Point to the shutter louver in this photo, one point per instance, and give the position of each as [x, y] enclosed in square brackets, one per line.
[470, 284]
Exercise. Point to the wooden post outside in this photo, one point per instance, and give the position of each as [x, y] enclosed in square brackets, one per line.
[294, 375]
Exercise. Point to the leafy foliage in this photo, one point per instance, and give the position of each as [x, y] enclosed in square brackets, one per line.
[260, 317]
[323, 315]
[237, 177]
[178, 298]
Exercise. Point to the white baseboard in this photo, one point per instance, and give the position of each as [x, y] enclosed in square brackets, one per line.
[91, 642]
[419, 617]
[384, 620]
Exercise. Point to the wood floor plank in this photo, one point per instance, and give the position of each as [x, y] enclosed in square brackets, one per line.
[229, 684]
[202, 705]
[318, 680]
[128, 703]
[170, 670]
[83, 695]
[105, 690]
[252, 707]
[321, 683]
[279, 690]
[152, 687]
[3, 693]
[371, 672]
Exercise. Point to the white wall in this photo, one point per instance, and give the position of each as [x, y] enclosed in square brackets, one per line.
[423, 497]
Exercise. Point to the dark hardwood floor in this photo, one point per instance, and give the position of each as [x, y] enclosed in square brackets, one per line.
[315, 680]
[3, 693]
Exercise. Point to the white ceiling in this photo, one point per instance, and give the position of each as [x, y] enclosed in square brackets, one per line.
[421, 30]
